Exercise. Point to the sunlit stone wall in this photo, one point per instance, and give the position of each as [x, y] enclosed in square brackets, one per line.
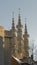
[2, 32]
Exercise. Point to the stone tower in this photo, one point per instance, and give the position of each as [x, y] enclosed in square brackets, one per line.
[19, 37]
[26, 42]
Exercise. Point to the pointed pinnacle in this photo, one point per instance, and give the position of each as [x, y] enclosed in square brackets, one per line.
[19, 10]
[25, 20]
[13, 14]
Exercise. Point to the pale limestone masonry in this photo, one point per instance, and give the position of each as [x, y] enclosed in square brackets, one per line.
[2, 32]
[15, 45]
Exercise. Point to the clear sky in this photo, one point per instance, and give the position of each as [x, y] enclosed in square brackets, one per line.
[28, 9]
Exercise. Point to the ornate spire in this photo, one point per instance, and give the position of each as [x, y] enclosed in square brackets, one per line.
[13, 21]
[19, 20]
[26, 41]
[19, 35]
[19, 15]
[14, 40]
[25, 26]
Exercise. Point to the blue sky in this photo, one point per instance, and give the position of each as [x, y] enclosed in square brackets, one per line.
[28, 9]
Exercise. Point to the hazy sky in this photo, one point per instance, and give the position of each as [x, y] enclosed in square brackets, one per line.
[28, 9]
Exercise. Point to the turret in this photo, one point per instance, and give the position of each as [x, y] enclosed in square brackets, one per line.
[13, 33]
[19, 35]
[26, 42]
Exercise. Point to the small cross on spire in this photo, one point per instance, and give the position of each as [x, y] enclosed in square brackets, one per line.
[13, 14]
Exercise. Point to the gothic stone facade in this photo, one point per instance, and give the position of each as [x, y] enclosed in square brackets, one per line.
[15, 43]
